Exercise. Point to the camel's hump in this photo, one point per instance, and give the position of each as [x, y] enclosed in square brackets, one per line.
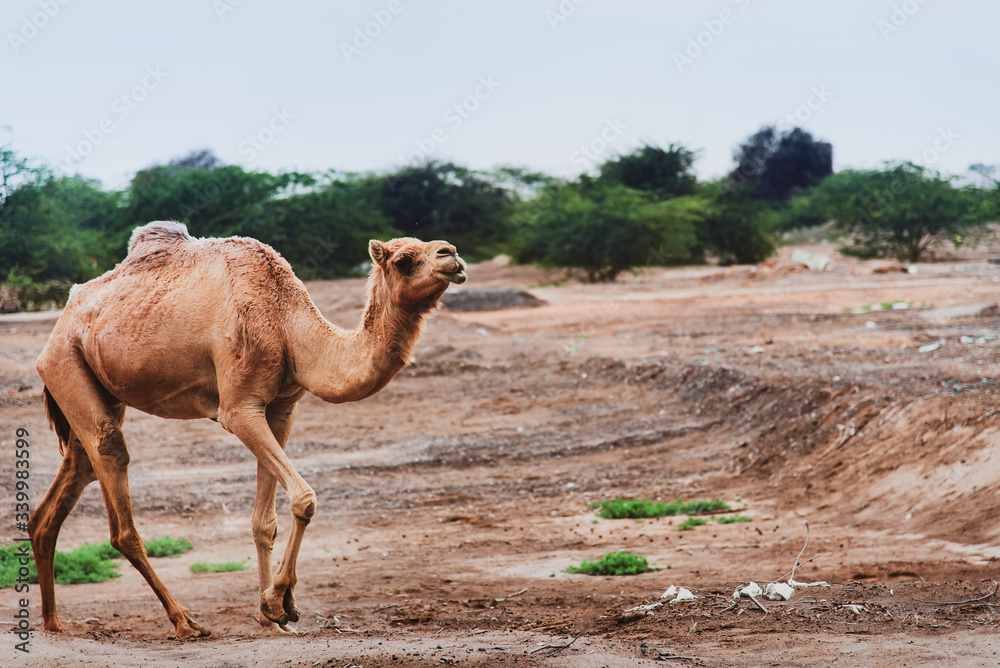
[158, 232]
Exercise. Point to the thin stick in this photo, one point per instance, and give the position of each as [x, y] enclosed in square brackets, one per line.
[792, 577]
[821, 554]
[517, 593]
[754, 599]
[555, 648]
[971, 600]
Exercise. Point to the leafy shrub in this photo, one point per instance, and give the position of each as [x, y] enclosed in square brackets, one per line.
[614, 563]
[690, 523]
[900, 211]
[167, 547]
[606, 230]
[636, 508]
[87, 563]
[19, 293]
[158, 547]
[737, 228]
[226, 567]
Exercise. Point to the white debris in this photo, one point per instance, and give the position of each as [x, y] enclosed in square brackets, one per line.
[671, 591]
[856, 609]
[683, 595]
[755, 349]
[809, 260]
[871, 324]
[930, 347]
[778, 591]
[648, 609]
[752, 589]
[808, 584]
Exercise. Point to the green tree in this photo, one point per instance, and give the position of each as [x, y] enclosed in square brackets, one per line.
[324, 231]
[445, 201]
[607, 230]
[774, 165]
[737, 227]
[52, 229]
[213, 201]
[899, 211]
[661, 172]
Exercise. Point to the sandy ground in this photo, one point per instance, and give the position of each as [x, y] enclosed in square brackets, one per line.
[451, 503]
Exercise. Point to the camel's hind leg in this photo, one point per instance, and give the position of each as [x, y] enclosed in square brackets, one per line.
[74, 475]
[95, 417]
[265, 519]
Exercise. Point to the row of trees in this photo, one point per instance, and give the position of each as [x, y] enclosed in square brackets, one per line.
[643, 208]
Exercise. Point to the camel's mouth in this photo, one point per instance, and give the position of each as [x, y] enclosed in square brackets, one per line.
[457, 277]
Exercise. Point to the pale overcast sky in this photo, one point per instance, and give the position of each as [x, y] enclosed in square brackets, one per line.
[112, 86]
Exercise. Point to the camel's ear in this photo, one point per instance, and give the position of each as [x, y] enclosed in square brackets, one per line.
[379, 252]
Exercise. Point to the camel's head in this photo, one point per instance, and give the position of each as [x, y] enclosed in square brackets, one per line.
[417, 270]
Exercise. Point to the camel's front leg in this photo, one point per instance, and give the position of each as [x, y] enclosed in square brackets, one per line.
[265, 531]
[265, 521]
[250, 426]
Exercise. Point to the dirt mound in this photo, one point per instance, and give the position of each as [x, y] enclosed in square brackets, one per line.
[489, 299]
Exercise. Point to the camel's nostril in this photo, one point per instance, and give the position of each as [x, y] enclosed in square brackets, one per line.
[444, 251]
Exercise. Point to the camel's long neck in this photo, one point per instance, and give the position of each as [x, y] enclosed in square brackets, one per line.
[338, 365]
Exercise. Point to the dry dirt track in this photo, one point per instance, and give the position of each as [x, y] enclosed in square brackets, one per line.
[451, 503]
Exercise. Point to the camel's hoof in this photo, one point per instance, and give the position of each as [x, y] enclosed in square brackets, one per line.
[270, 628]
[288, 603]
[190, 629]
[279, 610]
[277, 619]
[53, 626]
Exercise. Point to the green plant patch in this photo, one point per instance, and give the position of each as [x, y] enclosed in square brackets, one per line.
[733, 519]
[168, 547]
[104, 551]
[636, 508]
[690, 523]
[86, 564]
[205, 567]
[614, 563]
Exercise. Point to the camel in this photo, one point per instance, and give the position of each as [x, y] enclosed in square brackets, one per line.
[191, 328]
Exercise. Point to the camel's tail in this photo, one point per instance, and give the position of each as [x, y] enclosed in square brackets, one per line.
[58, 421]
